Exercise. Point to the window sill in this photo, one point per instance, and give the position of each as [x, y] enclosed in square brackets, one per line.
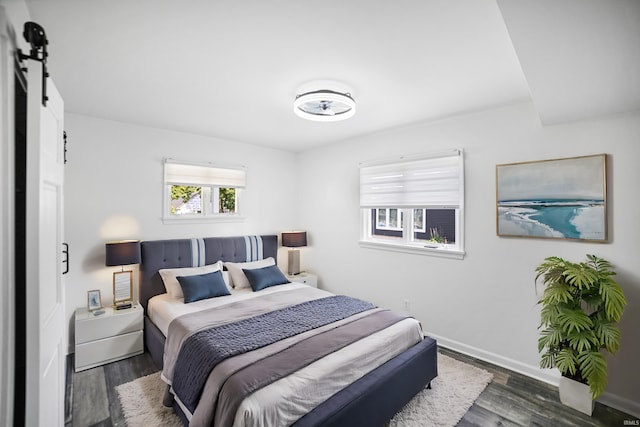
[437, 252]
[202, 219]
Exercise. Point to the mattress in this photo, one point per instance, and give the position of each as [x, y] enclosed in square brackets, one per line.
[287, 399]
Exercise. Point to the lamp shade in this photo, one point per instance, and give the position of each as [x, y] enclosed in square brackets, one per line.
[294, 239]
[123, 253]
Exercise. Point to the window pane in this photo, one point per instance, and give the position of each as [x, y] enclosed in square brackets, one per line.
[227, 201]
[186, 200]
[379, 227]
[418, 220]
[440, 226]
[444, 221]
[393, 218]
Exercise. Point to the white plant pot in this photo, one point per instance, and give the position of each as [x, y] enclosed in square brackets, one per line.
[576, 395]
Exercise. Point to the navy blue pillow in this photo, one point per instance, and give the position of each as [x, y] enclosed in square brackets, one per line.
[260, 278]
[204, 286]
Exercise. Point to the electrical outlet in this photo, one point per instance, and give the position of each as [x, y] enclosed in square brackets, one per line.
[407, 306]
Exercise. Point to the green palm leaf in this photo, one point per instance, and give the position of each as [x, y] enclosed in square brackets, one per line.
[551, 269]
[580, 276]
[557, 293]
[549, 338]
[547, 361]
[593, 366]
[600, 265]
[549, 314]
[583, 340]
[614, 300]
[608, 335]
[573, 320]
[567, 361]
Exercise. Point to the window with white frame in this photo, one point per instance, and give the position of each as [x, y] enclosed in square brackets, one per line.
[202, 191]
[414, 204]
[388, 219]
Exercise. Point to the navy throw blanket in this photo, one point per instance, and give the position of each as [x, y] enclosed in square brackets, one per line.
[202, 351]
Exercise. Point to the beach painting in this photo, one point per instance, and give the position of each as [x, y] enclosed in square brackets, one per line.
[558, 199]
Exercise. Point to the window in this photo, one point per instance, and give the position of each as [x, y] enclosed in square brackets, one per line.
[429, 225]
[387, 219]
[414, 204]
[199, 191]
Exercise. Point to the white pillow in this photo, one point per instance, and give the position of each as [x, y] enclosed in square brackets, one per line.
[172, 285]
[238, 278]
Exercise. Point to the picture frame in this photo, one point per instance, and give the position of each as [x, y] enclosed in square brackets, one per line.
[557, 199]
[122, 287]
[93, 300]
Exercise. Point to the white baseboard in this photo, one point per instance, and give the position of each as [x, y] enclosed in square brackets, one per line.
[620, 403]
[549, 376]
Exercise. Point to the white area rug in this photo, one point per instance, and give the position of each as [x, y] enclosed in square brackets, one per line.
[141, 402]
[451, 395]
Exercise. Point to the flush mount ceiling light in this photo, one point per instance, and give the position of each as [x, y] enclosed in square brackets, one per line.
[324, 105]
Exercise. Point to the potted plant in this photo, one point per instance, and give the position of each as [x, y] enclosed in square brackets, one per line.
[581, 305]
[435, 236]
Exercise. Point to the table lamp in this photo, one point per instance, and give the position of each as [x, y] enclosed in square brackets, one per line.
[294, 240]
[125, 252]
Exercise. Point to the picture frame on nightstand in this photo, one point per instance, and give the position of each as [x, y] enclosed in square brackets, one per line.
[93, 300]
[122, 289]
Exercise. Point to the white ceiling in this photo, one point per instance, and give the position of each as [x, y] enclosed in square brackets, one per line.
[581, 58]
[231, 69]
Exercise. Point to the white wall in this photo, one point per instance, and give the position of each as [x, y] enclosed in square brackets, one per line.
[484, 305]
[114, 187]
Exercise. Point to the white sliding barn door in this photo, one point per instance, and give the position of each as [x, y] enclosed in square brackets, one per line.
[45, 313]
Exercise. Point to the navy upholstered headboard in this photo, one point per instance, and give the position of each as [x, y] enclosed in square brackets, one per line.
[175, 253]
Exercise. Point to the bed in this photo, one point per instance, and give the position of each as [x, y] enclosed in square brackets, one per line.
[328, 388]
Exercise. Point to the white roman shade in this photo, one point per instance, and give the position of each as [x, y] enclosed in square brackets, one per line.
[177, 173]
[429, 181]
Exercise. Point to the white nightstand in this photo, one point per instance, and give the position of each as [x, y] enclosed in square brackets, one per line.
[306, 278]
[114, 335]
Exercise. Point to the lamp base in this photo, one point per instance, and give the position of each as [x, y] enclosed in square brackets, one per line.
[294, 262]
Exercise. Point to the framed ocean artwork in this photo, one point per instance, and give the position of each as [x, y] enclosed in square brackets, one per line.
[557, 199]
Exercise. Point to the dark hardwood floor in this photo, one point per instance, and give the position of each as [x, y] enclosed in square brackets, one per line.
[511, 399]
[514, 399]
